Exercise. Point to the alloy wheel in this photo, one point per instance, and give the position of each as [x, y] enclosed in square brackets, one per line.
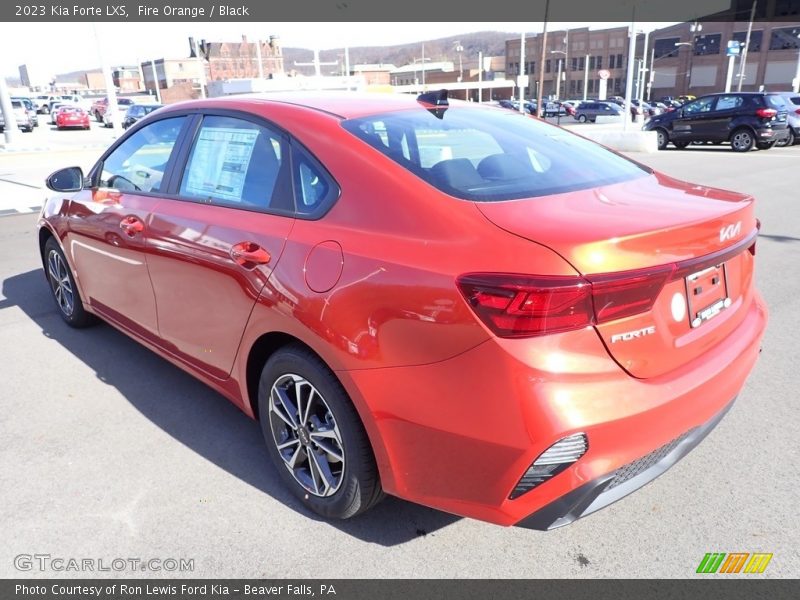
[60, 283]
[306, 435]
[742, 140]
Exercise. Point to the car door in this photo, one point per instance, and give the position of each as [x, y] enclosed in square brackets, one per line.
[725, 109]
[695, 121]
[216, 240]
[107, 232]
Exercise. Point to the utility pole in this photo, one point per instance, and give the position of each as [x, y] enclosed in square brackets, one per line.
[480, 76]
[521, 81]
[539, 107]
[626, 114]
[644, 67]
[111, 92]
[9, 118]
[202, 71]
[317, 66]
[652, 72]
[796, 82]
[566, 67]
[155, 79]
[746, 46]
[586, 79]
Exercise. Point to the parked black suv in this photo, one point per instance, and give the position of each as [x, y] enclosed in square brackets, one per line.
[745, 119]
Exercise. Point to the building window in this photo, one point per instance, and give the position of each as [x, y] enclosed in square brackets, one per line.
[599, 62]
[707, 44]
[666, 47]
[755, 39]
[591, 63]
[618, 85]
[547, 66]
[574, 64]
[590, 89]
[582, 63]
[785, 39]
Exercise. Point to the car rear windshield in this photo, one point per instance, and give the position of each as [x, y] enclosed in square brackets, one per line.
[490, 154]
[776, 101]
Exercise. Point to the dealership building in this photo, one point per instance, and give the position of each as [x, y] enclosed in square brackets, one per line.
[687, 58]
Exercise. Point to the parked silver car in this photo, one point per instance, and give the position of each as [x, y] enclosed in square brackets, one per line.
[589, 111]
[792, 101]
[21, 115]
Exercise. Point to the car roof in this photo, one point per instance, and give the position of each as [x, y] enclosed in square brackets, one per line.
[346, 105]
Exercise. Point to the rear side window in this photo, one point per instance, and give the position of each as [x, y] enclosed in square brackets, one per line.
[794, 100]
[239, 163]
[489, 154]
[314, 188]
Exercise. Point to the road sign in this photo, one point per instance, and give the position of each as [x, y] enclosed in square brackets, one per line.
[604, 74]
[734, 48]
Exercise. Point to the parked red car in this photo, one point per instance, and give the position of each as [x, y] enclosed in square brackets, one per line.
[69, 117]
[447, 302]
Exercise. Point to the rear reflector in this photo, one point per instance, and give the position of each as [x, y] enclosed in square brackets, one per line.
[551, 462]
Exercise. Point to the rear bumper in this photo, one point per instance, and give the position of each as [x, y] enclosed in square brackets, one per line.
[614, 486]
[458, 435]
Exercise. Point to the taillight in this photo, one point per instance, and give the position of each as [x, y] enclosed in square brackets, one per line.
[797, 111]
[618, 295]
[522, 306]
[766, 113]
[515, 306]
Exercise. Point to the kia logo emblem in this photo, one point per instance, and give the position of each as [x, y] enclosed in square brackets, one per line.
[730, 232]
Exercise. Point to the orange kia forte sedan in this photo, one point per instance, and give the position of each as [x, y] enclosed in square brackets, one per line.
[451, 303]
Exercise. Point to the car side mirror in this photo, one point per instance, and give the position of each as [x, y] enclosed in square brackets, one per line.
[66, 180]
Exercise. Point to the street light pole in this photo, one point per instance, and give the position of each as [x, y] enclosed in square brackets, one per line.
[541, 65]
[626, 116]
[746, 46]
[796, 82]
[586, 79]
[520, 81]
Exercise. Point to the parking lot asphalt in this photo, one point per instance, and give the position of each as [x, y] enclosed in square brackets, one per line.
[108, 451]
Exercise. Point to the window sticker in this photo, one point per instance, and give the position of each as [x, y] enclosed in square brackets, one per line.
[219, 163]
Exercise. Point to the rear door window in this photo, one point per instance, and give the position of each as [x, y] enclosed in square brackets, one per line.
[729, 102]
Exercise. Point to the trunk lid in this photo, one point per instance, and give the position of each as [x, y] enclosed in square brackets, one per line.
[648, 222]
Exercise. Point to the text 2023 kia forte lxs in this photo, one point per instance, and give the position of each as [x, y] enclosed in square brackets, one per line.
[455, 304]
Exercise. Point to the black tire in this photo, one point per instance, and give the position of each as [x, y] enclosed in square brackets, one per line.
[582, 119]
[680, 145]
[98, 117]
[765, 145]
[742, 140]
[291, 372]
[662, 138]
[57, 270]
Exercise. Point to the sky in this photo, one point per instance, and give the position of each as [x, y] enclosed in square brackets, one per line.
[63, 47]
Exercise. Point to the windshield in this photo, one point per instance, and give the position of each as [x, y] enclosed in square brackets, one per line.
[491, 154]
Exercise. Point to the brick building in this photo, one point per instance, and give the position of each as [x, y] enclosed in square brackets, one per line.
[239, 60]
[698, 63]
[572, 53]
